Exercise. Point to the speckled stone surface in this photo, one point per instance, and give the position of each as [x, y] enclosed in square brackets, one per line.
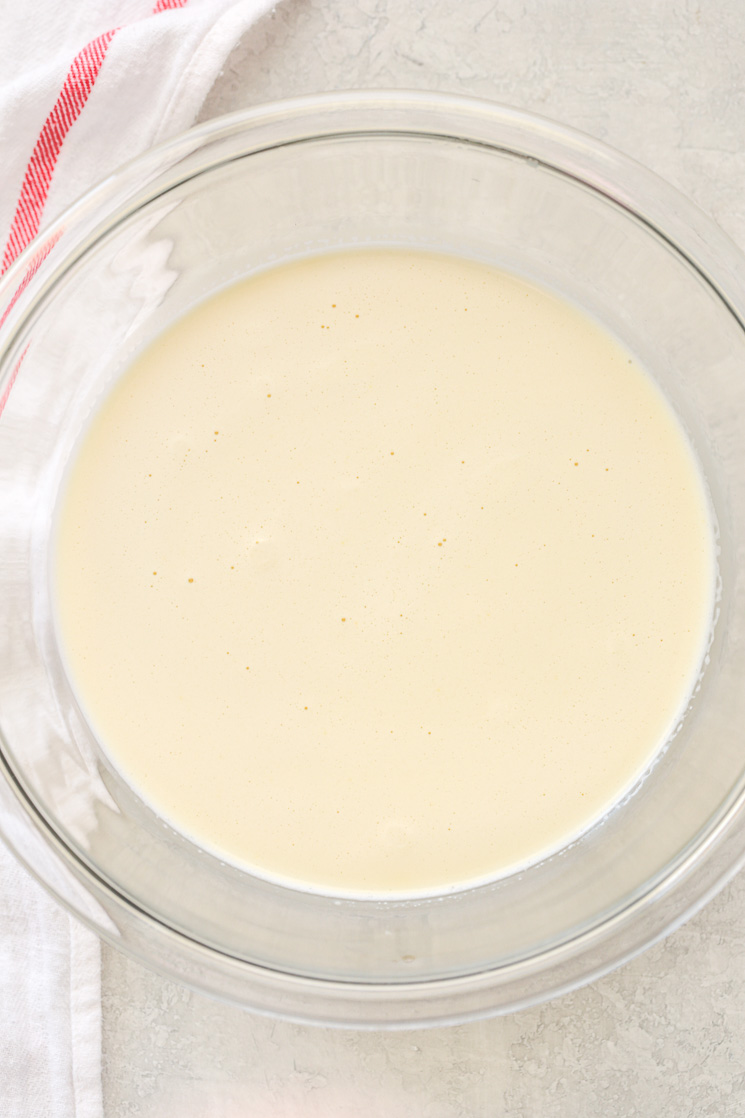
[664, 81]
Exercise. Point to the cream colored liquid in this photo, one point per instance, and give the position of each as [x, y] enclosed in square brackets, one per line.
[384, 571]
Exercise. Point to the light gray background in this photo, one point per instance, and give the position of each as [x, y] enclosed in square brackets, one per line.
[664, 81]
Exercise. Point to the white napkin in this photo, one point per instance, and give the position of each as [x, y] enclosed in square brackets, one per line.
[84, 86]
[50, 1005]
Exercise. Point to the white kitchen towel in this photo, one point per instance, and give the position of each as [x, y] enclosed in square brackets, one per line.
[50, 999]
[84, 87]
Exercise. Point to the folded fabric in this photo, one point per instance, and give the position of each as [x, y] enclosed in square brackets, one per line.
[83, 88]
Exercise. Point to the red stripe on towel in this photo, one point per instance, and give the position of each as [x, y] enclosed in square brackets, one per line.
[78, 84]
[75, 91]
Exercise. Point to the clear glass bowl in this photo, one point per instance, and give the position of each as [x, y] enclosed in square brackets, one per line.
[233, 196]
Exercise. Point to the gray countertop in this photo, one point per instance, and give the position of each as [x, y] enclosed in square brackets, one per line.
[663, 81]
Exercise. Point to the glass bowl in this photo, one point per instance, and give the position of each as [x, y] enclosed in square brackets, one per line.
[234, 196]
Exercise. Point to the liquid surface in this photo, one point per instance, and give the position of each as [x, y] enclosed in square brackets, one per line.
[383, 571]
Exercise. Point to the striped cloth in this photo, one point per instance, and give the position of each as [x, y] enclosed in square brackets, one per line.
[84, 86]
